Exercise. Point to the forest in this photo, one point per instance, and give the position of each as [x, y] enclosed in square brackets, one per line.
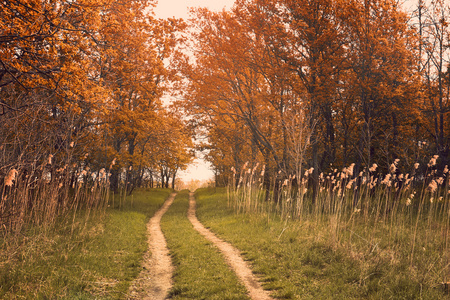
[80, 108]
[320, 85]
[284, 86]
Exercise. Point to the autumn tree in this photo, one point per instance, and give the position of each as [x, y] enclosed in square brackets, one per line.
[262, 75]
[82, 81]
[47, 81]
[235, 91]
[346, 68]
[175, 147]
[306, 37]
[432, 22]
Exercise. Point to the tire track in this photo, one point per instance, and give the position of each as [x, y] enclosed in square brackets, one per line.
[155, 280]
[232, 256]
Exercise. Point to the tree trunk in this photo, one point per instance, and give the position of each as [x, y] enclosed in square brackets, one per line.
[162, 178]
[173, 179]
[114, 180]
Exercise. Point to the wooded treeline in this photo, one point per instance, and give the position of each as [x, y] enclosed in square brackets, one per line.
[293, 85]
[80, 87]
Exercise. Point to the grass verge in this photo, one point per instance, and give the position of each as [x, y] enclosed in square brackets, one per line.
[98, 260]
[300, 260]
[200, 269]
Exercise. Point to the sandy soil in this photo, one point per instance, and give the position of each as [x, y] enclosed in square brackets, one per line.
[232, 256]
[155, 279]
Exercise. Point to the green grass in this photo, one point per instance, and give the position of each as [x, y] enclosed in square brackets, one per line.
[200, 269]
[296, 260]
[300, 260]
[96, 261]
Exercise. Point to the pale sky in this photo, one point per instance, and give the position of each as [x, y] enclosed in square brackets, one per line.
[200, 169]
[179, 8]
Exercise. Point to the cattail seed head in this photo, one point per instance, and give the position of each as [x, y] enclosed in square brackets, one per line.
[10, 177]
[387, 179]
[433, 161]
[392, 168]
[349, 170]
[254, 168]
[349, 184]
[112, 163]
[102, 174]
[433, 186]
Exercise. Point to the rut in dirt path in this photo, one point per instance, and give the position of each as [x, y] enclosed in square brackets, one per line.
[155, 280]
[232, 256]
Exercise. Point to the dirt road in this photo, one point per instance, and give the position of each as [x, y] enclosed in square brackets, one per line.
[155, 279]
[232, 256]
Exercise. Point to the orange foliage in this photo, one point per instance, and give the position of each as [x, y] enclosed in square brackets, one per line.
[347, 67]
[80, 77]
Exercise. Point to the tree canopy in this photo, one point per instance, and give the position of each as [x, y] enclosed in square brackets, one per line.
[288, 85]
[82, 81]
[295, 85]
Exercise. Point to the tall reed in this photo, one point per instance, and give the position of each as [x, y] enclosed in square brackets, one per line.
[407, 215]
[41, 195]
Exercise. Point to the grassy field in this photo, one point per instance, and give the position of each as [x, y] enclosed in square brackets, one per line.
[98, 260]
[200, 270]
[302, 260]
[295, 259]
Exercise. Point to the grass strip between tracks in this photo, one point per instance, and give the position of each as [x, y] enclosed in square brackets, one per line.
[200, 269]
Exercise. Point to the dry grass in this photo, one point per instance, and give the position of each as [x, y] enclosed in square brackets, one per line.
[40, 195]
[96, 257]
[303, 259]
[390, 218]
